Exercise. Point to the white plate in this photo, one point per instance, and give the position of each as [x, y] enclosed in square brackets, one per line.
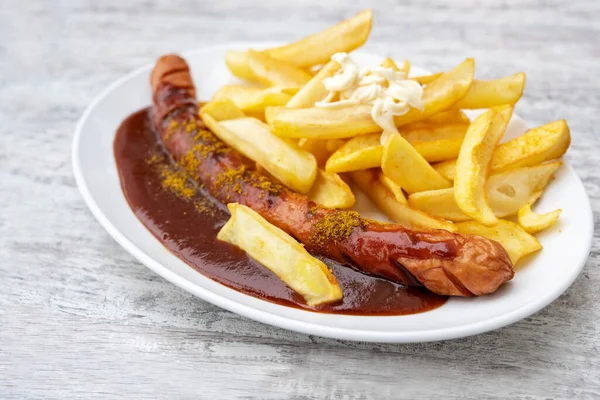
[537, 283]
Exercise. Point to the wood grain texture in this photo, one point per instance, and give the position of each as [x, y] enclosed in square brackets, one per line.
[80, 318]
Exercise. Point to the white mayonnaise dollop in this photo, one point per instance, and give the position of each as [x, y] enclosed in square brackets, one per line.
[388, 91]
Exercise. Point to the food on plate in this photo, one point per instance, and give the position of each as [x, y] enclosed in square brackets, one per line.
[360, 152]
[546, 142]
[507, 192]
[517, 242]
[473, 162]
[396, 209]
[253, 99]
[280, 253]
[318, 48]
[406, 167]
[497, 92]
[314, 90]
[310, 136]
[533, 222]
[394, 188]
[331, 191]
[442, 261]
[272, 72]
[356, 118]
[295, 168]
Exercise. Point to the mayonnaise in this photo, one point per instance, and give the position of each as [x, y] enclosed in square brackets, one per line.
[388, 91]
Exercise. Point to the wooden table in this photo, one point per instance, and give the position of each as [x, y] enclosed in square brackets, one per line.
[80, 318]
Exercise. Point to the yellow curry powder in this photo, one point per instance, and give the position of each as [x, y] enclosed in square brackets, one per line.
[337, 225]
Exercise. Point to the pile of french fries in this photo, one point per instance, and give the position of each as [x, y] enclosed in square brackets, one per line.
[443, 171]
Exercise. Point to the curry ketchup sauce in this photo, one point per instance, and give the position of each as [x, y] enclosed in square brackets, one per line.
[188, 228]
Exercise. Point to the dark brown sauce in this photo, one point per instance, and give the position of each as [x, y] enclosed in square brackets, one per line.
[189, 231]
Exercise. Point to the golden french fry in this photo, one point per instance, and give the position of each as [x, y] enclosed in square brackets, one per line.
[222, 109]
[389, 63]
[447, 169]
[511, 236]
[506, 192]
[331, 191]
[237, 62]
[394, 188]
[427, 79]
[355, 120]
[433, 142]
[533, 222]
[442, 93]
[436, 142]
[406, 67]
[334, 144]
[251, 99]
[317, 148]
[314, 90]
[281, 254]
[320, 123]
[546, 142]
[360, 152]
[369, 183]
[473, 162]
[407, 168]
[442, 118]
[497, 92]
[318, 48]
[272, 72]
[295, 168]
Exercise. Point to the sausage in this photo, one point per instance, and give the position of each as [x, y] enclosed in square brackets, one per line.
[444, 262]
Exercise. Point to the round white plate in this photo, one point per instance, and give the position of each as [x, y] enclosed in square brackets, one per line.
[537, 283]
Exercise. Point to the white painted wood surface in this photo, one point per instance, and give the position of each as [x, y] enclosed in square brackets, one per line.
[79, 318]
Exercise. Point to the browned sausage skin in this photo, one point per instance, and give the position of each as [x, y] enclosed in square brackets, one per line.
[446, 263]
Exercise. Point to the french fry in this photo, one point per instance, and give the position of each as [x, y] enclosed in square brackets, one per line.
[320, 123]
[511, 236]
[295, 168]
[533, 222]
[360, 152]
[331, 191]
[318, 48]
[314, 90]
[436, 142]
[272, 72]
[317, 148]
[447, 169]
[407, 168]
[334, 144]
[355, 120]
[442, 118]
[389, 63]
[497, 92]
[406, 67]
[427, 79]
[369, 183]
[251, 99]
[433, 142]
[507, 192]
[238, 64]
[394, 188]
[222, 110]
[473, 162]
[281, 254]
[546, 142]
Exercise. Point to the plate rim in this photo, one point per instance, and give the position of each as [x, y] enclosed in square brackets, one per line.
[288, 323]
